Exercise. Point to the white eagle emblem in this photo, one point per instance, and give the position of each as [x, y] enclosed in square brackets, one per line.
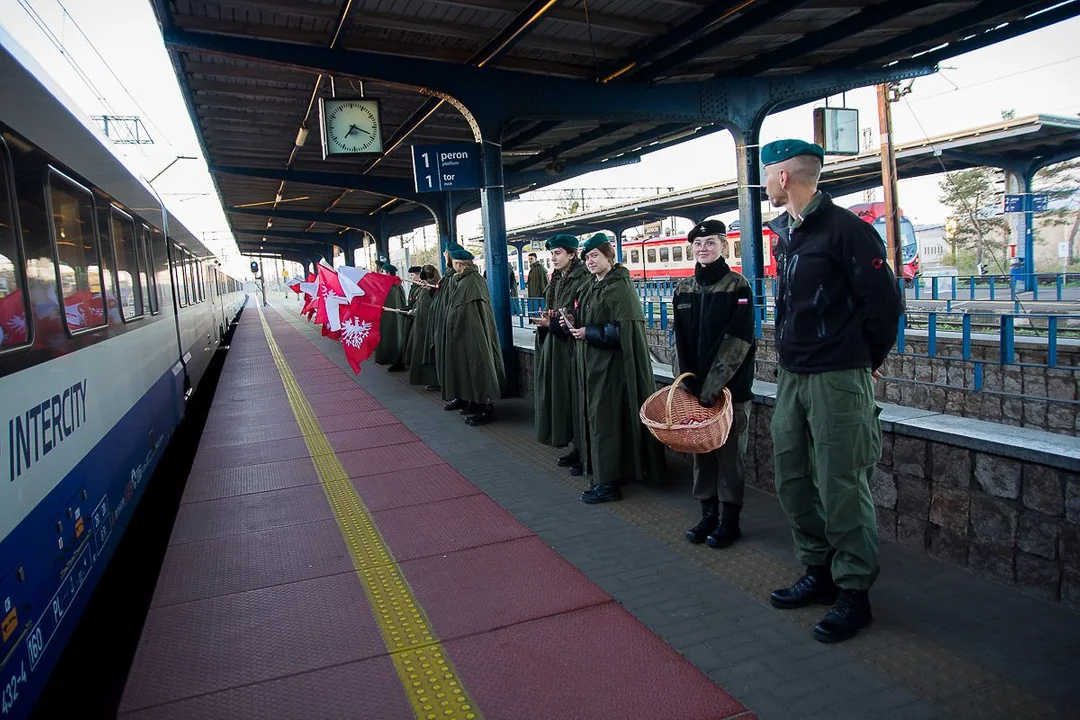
[17, 324]
[355, 332]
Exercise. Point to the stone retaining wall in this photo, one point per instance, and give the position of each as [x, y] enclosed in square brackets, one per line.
[1001, 501]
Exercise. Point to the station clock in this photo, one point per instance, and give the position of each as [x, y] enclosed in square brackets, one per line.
[350, 126]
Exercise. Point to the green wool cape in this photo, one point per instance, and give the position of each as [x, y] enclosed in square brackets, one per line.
[611, 386]
[437, 332]
[538, 280]
[421, 359]
[474, 362]
[414, 293]
[389, 351]
[554, 370]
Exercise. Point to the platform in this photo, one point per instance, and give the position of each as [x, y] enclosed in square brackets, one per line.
[539, 606]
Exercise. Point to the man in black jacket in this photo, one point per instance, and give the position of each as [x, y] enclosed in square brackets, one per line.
[714, 339]
[837, 312]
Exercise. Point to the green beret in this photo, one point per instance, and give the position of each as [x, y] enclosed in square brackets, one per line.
[782, 150]
[388, 268]
[452, 246]
[704, 229]
[594, 242]
[564, 241]
[460, 253]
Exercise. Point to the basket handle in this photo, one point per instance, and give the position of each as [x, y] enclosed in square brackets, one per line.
[671, 393]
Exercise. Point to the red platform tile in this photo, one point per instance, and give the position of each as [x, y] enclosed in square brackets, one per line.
[494, 586]
[343, 387]
[372, 437]
[242, 434]
[229, 419]
[375, 461]
[327, 406]
[217, 458]
[445, 527]
[250, 513]
[369, 418]
[251, 479]
[402, 488]
[224, 642]
[246, 562]
[595, 663]
[365, 689]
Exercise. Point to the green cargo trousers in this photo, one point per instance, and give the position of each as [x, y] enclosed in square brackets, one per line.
[826, 442]
[722, 473]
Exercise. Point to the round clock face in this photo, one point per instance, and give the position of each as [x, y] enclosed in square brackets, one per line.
[352, 127]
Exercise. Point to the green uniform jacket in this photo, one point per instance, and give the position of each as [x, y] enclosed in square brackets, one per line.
[437, 331]
[538, 280]
[554, 370]
[474, 362]
[612, 384]
[391, 329]
[414, 293]
[421, 359]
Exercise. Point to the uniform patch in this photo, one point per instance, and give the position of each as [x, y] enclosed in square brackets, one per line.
[744, 301]
[877, 263]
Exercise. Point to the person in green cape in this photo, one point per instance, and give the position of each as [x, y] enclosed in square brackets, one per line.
[538, 278]
[475, 375]
[437, 329]
[414, 291]
[614, 375]
[554, 371]
[421, 357]
[391, 345]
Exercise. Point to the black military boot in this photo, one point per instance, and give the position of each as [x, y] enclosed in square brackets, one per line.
[485, 416]
[850, 615]
[455, 404]
[710, 518]
[471, 409]
[577, 470]
[570, 459]
[727, 532]
[432, 387]
[816, 586]
[605, 492]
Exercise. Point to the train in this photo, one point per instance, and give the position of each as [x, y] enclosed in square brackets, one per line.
[110, 313]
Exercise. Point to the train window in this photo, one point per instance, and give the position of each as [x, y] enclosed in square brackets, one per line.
[14, 325]
[185, 272]
[664, 255]
[738, 249]
[179, 281]
[77, 251]
[676, 254]
[635, 256]
[650, 255]
[129, 274]
[150, 269]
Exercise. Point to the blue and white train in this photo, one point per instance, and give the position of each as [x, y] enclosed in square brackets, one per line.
[110, 312]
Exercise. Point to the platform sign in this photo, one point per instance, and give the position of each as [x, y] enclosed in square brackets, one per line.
[1015, 203]
[447, 167]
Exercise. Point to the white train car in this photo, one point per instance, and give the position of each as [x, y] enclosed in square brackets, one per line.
[110, 311]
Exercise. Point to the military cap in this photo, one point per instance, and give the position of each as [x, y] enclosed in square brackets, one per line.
[704, 229]
[415, 269]
[562, 240]
[594, 242]
[390, 269]
[460, 253]
[782, 150]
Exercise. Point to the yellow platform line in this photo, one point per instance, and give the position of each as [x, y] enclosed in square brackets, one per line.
[430, 681]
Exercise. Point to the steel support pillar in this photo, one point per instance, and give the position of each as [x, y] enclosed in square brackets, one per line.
[617, 231]
[350, 252]
[748, 162]
[494, 213]
[520, 247]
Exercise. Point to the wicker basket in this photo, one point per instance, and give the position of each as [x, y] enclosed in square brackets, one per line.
[676, 419]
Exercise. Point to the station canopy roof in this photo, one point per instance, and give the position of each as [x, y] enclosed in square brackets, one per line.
[248, 112]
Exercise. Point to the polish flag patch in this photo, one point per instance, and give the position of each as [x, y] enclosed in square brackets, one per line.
[744, 301]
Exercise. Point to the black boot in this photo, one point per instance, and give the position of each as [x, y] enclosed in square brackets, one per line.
[431, 387]
[577, 470]
[710, 517]
[485, 416]
[816, 586]
[606, 492]
[455, 404]
[850, 615]
[727, 531]
[570, 459]
[471, 409]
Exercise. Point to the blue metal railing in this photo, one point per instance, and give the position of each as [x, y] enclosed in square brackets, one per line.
[941, 331]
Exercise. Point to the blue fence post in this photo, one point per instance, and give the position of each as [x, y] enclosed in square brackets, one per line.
[934, 288]
[1051, 340]
[1007, 339]
[1035, 288]
[1060, 285]
[966, 325]
[978, 377]
[931, 333]
[971, 287]
[649, 312]
[900, 334]
[991, 289]
[663, 315]
[953, 287]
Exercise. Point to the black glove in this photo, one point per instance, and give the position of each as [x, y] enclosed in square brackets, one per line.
[706, 402]
[602, 336]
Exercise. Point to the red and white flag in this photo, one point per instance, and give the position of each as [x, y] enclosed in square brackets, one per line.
[294, 284]
[12, 319]
[329, 289]
[361, 316]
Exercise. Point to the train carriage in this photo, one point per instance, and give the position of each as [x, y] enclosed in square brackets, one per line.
[110, 311]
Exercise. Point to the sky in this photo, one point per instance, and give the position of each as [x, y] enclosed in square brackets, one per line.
[115, 63]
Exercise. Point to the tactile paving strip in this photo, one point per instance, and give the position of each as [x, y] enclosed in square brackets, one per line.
[425, 671]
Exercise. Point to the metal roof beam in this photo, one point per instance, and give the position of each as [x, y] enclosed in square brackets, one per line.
[323, 238]
[387, 187]
[529, 135]
[553, 153]
[359, 220]
[868, 18]
[597, 20]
